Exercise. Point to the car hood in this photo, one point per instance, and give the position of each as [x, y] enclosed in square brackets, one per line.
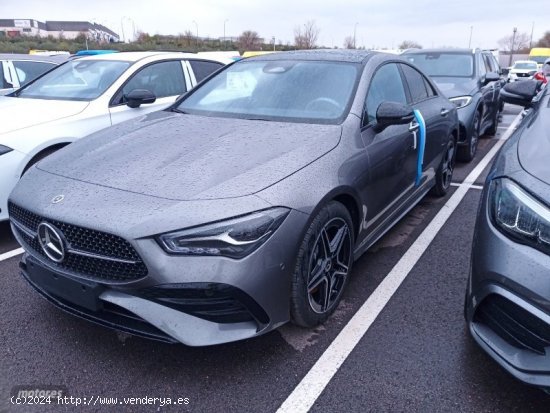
[19, 113]
[455, 86]
[188, 157]
[534, 146]
[522, 70]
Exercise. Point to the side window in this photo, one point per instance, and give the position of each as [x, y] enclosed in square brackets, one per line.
[27, 70]
[4, 82]
[163, 79]
[417, 85]
[482, 65]
[488, 66]
[203, 68]
[386, 85]
[429, 88]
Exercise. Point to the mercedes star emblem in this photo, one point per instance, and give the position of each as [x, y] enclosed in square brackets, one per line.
[57, 199]
[51, 241]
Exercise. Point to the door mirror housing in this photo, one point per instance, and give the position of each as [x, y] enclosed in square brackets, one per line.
[138, 97]
[520, 93]
[392, 113]
[490, 77]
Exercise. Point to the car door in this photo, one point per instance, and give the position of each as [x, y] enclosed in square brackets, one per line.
[489, 91]
[8, 80]
[392, 152]
[436, 112]
[167, 79]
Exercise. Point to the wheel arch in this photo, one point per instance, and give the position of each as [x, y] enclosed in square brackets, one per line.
[43, 153]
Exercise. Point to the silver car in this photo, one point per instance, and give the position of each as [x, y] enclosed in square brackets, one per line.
[241, 207]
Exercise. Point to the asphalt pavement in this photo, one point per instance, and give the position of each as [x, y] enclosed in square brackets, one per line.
[416, 356]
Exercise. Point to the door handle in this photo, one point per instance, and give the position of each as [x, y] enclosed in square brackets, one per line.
[413, 127]
[444, 112]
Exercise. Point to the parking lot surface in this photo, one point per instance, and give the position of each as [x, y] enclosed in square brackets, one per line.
[416, 356]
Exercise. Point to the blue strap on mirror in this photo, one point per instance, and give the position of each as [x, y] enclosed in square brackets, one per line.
[421, 145]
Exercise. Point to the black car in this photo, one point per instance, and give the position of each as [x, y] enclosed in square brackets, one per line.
[470, 78]
[507, 304]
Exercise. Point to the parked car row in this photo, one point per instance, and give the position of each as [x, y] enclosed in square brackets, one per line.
[243, 203]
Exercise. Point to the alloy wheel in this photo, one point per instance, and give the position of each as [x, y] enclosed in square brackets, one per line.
[329, 265]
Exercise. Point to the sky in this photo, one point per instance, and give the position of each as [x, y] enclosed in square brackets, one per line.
[377, 23]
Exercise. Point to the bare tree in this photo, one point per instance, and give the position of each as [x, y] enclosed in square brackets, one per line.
[249, 40]
[544, 41]
[306, 37]
[349, 43]
[521, 41]
[409, 44]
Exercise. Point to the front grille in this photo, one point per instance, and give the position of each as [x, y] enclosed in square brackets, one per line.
[513, 324]
[112, 258]
[215, 302]
[522, 74]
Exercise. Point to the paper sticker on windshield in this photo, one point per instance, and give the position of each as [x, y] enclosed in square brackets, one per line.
[239, 81]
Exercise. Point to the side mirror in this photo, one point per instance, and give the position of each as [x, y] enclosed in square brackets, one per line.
[520, 93]
[490, 77]
[138, 97]
[392, 113]
[504, 71]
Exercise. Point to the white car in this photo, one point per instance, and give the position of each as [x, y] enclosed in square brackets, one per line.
[86, 95]
[522, 70]
[16, 70]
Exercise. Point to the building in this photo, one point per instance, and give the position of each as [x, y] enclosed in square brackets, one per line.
[58, 29]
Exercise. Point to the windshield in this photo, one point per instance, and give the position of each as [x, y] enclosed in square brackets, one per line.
[444, 64]
[525, 66]
[306, 91]
[539, 59]
[76, 80]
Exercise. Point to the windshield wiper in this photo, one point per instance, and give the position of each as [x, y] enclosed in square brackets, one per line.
[176, 110]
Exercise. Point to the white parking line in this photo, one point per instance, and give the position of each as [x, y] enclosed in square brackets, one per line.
[308, 390]
[470, 186]
[11, 254]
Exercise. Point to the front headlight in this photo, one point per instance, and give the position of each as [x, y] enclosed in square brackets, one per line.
[519, 215]
[461, 101]
[5, 149]
[233, 238]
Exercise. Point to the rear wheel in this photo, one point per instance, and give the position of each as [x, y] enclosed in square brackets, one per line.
[323, 266]
[467, 152]
[444, 175]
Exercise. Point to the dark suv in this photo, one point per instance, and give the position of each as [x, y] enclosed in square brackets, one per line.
[471, 79]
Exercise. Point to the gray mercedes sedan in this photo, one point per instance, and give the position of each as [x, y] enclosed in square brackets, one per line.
[241, 207]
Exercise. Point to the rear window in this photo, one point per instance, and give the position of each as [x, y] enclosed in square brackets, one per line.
[27, 70]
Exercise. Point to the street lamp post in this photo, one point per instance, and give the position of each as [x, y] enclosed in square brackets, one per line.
[470, 41]
[224, 41]
[197, 39]
[512, 48]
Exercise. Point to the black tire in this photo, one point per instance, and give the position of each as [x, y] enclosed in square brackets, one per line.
[467, 152]
[492, 131]
[323, 266]
[444, 174]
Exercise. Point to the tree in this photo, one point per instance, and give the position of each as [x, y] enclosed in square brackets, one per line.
[249, 40]
[349, 43]
[520, 42]
[306, 38]
[409, 44]
[544, 41]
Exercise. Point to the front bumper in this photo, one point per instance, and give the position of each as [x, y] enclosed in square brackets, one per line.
[507, 304]
[197, 301]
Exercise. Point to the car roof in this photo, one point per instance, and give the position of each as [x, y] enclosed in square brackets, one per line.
[334, 55]
[443, 50]
[34, 57]
[136, 56]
